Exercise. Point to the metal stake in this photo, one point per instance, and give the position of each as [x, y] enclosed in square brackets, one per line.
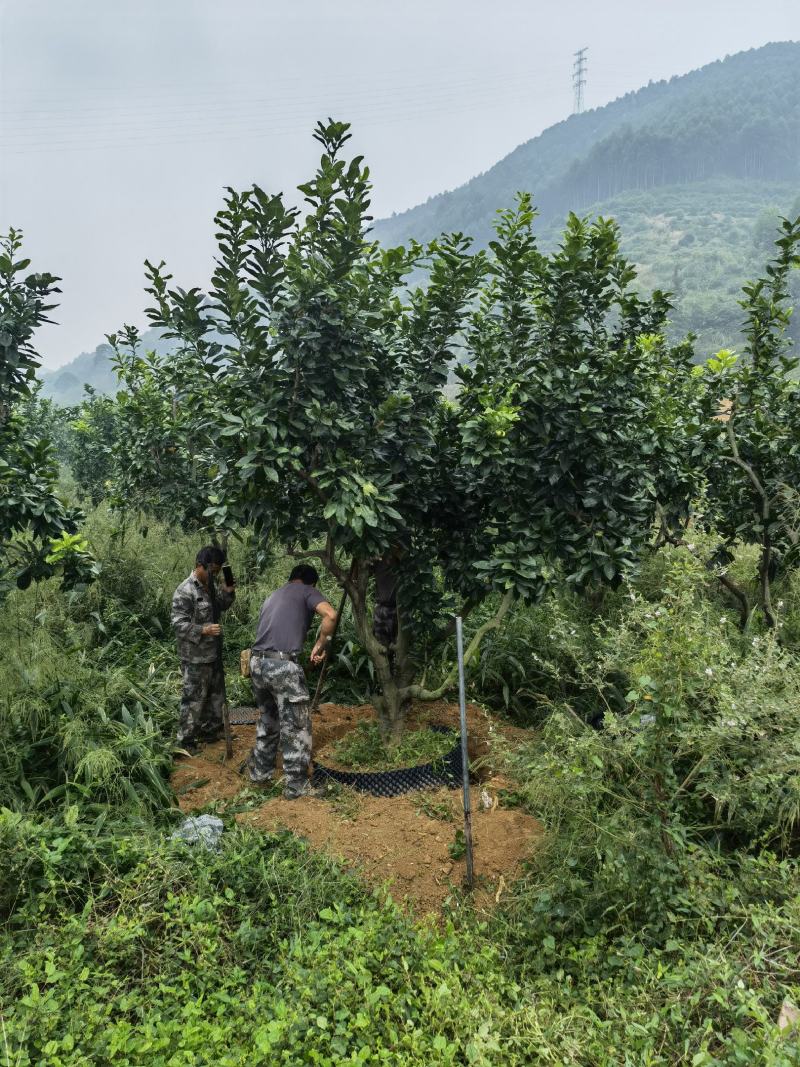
[226, 718]
[462, 702]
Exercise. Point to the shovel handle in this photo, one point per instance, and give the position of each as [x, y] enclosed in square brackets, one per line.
[326, 661]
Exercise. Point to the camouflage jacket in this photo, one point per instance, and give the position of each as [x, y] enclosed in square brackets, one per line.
[193, 607]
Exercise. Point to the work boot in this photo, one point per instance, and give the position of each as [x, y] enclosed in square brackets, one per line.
[306, 790]
[246, 766]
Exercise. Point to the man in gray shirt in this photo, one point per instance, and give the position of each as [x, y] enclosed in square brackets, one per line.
[279, 683]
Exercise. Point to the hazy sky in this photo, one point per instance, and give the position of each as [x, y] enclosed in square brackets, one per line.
[121, 121]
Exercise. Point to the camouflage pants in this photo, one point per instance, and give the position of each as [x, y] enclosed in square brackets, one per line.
[201, 701]
[282, 696]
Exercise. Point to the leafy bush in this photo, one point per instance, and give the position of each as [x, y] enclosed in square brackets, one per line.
[705, 759]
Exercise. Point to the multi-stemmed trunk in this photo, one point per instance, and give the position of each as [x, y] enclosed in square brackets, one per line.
[394, 667]
[395, 663]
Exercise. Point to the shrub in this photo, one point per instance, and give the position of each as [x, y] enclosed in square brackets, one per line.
[702, 770]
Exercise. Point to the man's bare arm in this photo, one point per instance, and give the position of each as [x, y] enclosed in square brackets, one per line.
[328, 625]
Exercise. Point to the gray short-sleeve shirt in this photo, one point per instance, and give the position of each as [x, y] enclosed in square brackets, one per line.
[285, 618]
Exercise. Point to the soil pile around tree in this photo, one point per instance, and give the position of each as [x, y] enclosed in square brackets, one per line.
[411, 841]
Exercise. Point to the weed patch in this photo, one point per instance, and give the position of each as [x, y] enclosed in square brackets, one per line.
[363, 748]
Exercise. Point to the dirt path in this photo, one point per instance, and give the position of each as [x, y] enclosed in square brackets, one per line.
[408, 841]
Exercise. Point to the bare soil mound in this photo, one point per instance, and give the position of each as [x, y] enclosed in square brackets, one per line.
[408, 841]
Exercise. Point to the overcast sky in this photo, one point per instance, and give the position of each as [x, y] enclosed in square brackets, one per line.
[121, 121]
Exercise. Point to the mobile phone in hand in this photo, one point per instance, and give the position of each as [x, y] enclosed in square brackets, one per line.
[227, 574]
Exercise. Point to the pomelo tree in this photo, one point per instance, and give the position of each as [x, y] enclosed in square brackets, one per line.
[582, 422]
[323, 418]
[754, 447]
[38, 532]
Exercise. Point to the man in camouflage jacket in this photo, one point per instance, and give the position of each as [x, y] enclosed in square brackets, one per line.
[196, 609]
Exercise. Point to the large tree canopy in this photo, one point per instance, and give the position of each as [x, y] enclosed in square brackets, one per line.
[311, 382]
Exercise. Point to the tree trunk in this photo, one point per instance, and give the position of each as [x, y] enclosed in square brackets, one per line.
[393, 666]
[764, 567]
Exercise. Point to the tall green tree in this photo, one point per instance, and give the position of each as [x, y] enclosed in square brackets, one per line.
[332, 432]
[38, 532]
[577, 417]
[754, 448]
[158, 442]
[329, 405]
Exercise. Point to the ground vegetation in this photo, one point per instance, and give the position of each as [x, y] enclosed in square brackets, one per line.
[637, 716]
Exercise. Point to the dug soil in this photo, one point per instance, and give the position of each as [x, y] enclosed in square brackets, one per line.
[408, 842]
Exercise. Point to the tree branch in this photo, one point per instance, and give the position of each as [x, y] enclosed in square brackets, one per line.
[737, 459]
[315, 553]
[723, 579]
[766, 544]
[311, 482]
[492, 624]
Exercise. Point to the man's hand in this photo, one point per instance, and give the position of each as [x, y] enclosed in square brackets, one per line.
[211, 629]
[320, 650]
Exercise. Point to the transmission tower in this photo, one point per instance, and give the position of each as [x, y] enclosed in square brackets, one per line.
[579, 69]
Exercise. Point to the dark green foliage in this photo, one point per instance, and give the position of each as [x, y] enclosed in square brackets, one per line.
[754, 456]
[577, 419]
[36, 528]
[158, 443]
[325, 398]
[311, 407]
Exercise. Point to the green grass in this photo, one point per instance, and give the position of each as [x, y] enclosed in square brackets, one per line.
[363, 748]
[433, 805]
[129, 949]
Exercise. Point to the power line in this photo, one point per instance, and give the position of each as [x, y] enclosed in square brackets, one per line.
[148, 99]
[17, 131]
[256, 123]
[94, 116]
[579, 69]
[402, 74]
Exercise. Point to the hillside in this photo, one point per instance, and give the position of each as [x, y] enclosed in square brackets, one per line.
[696, 169]
[701, 242]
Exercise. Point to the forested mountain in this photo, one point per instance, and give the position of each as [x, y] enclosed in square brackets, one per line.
[737, 118]
[696, 169]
